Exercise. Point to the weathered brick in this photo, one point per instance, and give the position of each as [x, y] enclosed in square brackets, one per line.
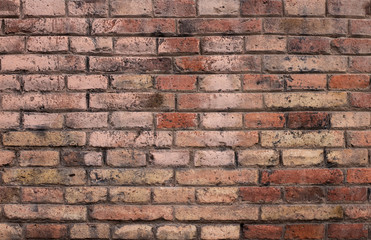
[218, 7]
[47, 44]
[176, 82]
[131, 81]
[362, 212]
[216, 138]
[359, 138]
[91, 45]
[90, 231]
[351, 45]
[360, 27]
[49, 7]
[310, 45]
[261, 157]
[176, 232]
[359, 175]
[304, 194]
[347, 194]
[214, 158]
[130, 195]
[10, 195]
[131, 8]
[9, 82]
[42, 195]
[221, 120]
[9, 120]
[43, 83]
[7, 157]
[173, 195]
[222, 195]
[169, 158]
[306, 81]
[255, 82]
[302, 157]
[360, 64]
[262, 231]
[188, 45]
[133, 231]
[88, 8]
[132, 119]
[82, 158]
[86, 120]
[305, 231]
[231, 26]
[350, 119]
[85, 82]
[305, 8]
[302, 176]
[355, 8]
[216, 177]
[169, 8]
[12, 44]
[126, 212]
[10, 231]
[85, 195]
[360, 100]
[265, 43]
[38, 158]
[348, 157]
[135, 46]
[301, 212]
[220, 232]
[308, 120]
[221, 82]
[347, 231]
[49, 138]
[264, 120]
[260, 194]
[263, 8]
[10, 8]
[225, 44]
[46, 231]
[349, 82]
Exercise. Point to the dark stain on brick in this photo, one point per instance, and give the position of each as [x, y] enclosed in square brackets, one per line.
[186, 27]
[154, 101]
[7, 5]
[9, 195]
[73, 158]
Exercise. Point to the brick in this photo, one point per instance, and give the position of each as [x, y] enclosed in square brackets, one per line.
[360, 100]
[347, 231]
[348, 157]
[90, 231]
[42, 63]
[360, 27]
[358, 212]
[302, 176]
[135, 46]
[173, 195]
[133, 26]
[220, 232]
[45, 212]
[91, 44]
[44, 26]
[40, 176]
[307, 139]
[306, 100]
[301, 212]
[131, 8]
[349, 82]
[49, 7]
[10, 195]
[176, 120]
[180, 8]
[221, 120]
[38, 158]
[347, 194]
[176, 232]
[13, 44]
[9, 120]
[42, 195]
[130, 176]
[176, 83]
[10, 231]
[306, 26]
[262, 231]
[310, 45]
[359, 138]
[131, 81]
[43, 83]
[216, 138]
[230, 63]
[310, 81]
[305, 231]
[220, 101]
[130, 195]
[255, 82]
[85, 82]
[302, 157]
[218, 8]
[131, 101]
[264, 120]
[360, 64]
[188, 45]
[169, 158]
[222, 195]
[126, 212]
[49, 138]
[216, 177]
[209, 26]
[88, 8]
[47, 44]
[351, 45]
[133, 231]
[304, 194]
[320, 63]
[225, 44]
[262, 8]
[129, 139]
[9, 82]
[261, 157]
[132, 119]
[214, 158]
[10, 8]
[260, 194]
[361, 176]
[216, 213]
[308, 120]
[221, 82]
[7, 157]
[84, 195]
[86, 120]
[46, 231]
[304, 8]
[82, 158]
[265, 43]
[348, 8]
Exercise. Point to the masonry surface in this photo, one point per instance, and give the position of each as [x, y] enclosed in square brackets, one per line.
[185, 119]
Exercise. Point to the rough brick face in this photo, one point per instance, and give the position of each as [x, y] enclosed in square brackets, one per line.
[185, 119]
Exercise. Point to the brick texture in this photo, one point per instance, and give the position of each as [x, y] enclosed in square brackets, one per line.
[185, 119]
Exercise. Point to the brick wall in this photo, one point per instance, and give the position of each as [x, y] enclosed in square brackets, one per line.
[185, 119]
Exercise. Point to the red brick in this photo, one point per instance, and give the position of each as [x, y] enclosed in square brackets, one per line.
[176, 120]
[90, 231]
[347, 194]
[87, 120]
[10, 195]
[10, 8]
[262, 8]
[302, 176]
[43, 120]
[42, 195]
[6, 157]
[174, 195]
[312, 45]
[355, 8]
[305, 231]
[9, 120]
[349, 82]
[82, 158]
[169, 158]
[260, 194]
[360, 100]
[10, 231]
[176, 232]
[360, 64]
[46, 231]
[306, 81]
[130, 195]
[351, 45]
[132, 119]
[9, 82]
[359, 138]
[135, 46]
[214, 158]
[43, 82]
[84, 195]
[264, 120]
[258, 157]
[12, 44]
[91, 45]
[308, 120]
[347, 231]
[83, 8]
[49, 7]
[169, 8]
[361, 212]
[262, 231]
[208, 26]
[305, 8]
[361, 175]
[304, 194]
[176, 82]
[47, 44]
[265, 43]
[125, 158]
[188, 45]
[255, 82]
[38, 158]
[86, 82]
[360, 27]
[222, 195]
[133, 231]
[216, 44]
